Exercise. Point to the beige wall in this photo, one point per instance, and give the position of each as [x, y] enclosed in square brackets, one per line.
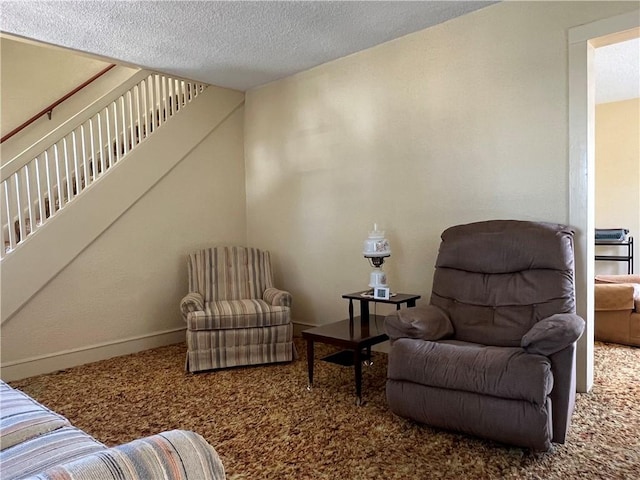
[33, 76]
[461, 122]
[618, 176]
[127, 285]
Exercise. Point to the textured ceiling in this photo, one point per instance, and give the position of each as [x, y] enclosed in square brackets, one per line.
[618, 71]
[244, 44]
[231, 44]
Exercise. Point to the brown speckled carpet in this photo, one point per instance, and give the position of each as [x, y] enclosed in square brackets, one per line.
[266, 425]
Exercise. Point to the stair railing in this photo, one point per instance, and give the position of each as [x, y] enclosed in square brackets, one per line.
[39, 182]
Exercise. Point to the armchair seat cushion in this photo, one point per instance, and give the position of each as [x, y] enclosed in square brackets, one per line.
[233, 314]
[504, 372]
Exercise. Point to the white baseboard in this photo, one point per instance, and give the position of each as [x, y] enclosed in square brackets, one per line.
[29, 367]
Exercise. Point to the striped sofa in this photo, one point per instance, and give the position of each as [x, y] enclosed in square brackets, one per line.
[234, 314]
[37, 443]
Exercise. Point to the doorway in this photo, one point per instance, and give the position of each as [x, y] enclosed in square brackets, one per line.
[583, 41]
[617, 168]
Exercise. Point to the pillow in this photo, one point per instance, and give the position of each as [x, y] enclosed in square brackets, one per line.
[553, 334]
[425, 322]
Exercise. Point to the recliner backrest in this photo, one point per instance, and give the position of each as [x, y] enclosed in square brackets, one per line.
[497, 278]
[230, 273]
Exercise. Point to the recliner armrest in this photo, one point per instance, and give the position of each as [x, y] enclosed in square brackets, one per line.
[277, 297]
[424, 322]
[552, 334]
[173, 455]
[192, 302]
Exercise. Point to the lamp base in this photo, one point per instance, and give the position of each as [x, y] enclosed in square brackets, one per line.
[377, 278]
[378, 285]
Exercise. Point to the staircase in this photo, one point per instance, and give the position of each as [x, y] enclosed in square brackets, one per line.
[60, 195]
[49, 175]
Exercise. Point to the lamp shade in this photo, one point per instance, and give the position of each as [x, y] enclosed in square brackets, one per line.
[376, 245]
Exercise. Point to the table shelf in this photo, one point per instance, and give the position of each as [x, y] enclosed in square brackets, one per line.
[356, 335]
[628, 258]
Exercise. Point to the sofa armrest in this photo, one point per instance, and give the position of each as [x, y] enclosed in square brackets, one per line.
[277, 297]
[22, 418]
[616, 296]
[192, 302]
[173, 455]
[552, 334]
[617, 279]
[424, 322]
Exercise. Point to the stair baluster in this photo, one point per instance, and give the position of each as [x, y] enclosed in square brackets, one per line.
[31, 195]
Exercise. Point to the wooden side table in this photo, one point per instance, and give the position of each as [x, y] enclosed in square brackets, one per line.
[355, 334]
[397, 299]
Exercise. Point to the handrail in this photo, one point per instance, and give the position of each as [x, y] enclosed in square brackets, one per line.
[52, 172]
[50, 108]
[19, 160]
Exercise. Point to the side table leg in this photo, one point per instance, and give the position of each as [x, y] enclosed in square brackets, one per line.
[357, 360]
[310, 363]
[364, 311]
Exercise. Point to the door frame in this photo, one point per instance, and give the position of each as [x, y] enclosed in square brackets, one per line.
[582, 42]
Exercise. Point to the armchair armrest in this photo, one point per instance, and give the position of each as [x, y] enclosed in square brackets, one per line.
[425, 322]
[173, 455]
[192, 302]
[277, 297]
[552, 334]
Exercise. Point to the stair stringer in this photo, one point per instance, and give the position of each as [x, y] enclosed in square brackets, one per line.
[72, 229]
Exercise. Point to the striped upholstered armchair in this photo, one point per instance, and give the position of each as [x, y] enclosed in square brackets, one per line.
[234, 314]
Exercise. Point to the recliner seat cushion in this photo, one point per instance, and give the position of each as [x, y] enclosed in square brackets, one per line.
[247, 313]
[505, 372]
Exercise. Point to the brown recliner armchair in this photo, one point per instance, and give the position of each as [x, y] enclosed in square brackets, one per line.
[617, 305]
[493, 354]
